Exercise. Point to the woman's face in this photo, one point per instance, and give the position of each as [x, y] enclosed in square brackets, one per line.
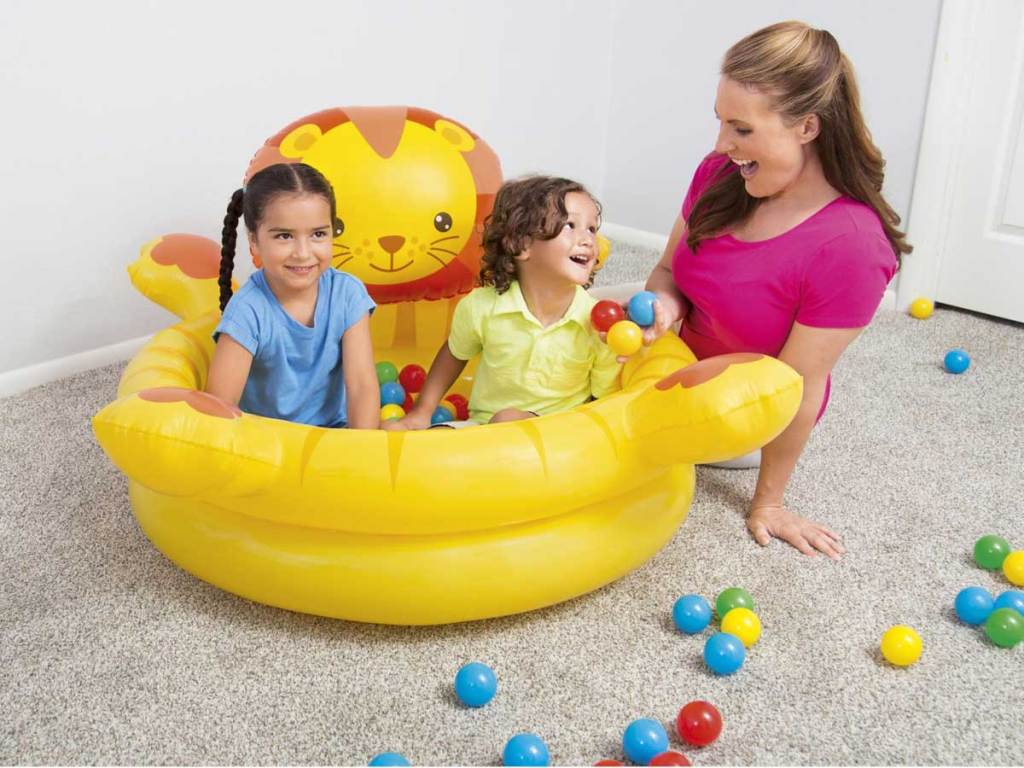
[771, 155]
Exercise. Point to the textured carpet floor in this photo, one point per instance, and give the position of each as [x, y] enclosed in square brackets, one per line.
[110, 654]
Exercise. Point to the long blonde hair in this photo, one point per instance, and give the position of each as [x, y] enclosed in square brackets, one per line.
[802, 71]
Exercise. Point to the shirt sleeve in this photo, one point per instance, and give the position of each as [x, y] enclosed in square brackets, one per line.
[707, 173]
[241, 322]
[465, 341]
[357, 302]
[845, 280]
[604, 375]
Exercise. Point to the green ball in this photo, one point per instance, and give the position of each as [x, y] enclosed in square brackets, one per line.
[734, 597]
[387, 372]
[990, 551]
[1005, 627]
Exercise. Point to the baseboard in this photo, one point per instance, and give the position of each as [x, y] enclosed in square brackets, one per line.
[13, 382]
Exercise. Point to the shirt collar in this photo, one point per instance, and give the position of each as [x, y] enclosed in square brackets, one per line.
[512, 301]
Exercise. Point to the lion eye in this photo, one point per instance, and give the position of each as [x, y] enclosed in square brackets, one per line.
[442, 222]
[339, 227]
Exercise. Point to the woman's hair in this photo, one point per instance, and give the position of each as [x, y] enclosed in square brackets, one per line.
[802, 71]
[252, 201]
[531, 208]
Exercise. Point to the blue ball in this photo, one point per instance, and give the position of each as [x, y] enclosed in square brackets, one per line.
[475, 684]
[440, 415]
[724, 653]
[1011, 598]
[643, 740]
[957, 361]
[641, 308]
[691, 614]
[525, 749]
[389, 758]
[392, 393]
[973, 605]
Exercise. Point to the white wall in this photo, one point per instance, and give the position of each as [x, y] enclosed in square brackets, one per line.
[128, 119]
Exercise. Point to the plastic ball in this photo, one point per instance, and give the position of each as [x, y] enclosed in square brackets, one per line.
[990, 551]
[743, 623]
[699, 723]
[1011, 598]
[441, 415]
[921, 308]
[625, 338]
[386, 372]
[1005, 627]
[733, 597]
[460, 406]
[605, 314]
[691, 614]
[391, 393]
[391, 411]
[607, 762]
[408, 402]
[1013, 568]
[475, 684]
[956, 361]
[525, 749]
[388, 758]
[643, 739]
[724, 653]
[671, 757]
[973, 605]
[641, 308]
[901, 646]
[411, 377]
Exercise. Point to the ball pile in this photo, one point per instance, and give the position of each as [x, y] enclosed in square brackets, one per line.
[724, 651]
[1002, 617]
[625, 336]
[398, 387]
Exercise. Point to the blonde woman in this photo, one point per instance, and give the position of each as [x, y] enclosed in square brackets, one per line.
[784, 244]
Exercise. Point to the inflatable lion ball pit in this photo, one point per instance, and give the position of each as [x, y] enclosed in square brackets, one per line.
[422, 527]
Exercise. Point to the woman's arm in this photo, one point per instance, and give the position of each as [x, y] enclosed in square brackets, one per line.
[229, 370]
[361, 387]
[668, 309]
[811, 352]
[443, 372]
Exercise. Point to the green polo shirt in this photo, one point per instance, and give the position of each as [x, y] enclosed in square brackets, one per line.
[525, 365]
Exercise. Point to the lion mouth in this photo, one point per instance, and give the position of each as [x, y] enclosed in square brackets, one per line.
[393, 268]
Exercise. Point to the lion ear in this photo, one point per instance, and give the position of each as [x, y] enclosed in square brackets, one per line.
[455, 135]
[299, 141]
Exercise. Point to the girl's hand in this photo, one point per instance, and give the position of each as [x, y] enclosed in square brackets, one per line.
[411, 420]
[768, 520]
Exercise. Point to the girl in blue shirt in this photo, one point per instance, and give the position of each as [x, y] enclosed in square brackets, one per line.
[294, 342]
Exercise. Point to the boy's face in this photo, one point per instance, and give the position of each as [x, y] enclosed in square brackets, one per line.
[293, 241]
[569, 257]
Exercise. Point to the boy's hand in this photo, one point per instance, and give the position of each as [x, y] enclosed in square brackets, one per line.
[766, 521]
[662, 322]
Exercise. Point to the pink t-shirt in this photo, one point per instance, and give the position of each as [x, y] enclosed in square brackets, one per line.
[829, 271]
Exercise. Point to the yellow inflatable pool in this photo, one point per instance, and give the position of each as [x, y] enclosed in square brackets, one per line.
[416, 527]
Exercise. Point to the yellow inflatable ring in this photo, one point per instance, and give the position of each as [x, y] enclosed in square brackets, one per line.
[416, 527]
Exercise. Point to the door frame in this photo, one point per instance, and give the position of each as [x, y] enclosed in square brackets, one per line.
[954, 66]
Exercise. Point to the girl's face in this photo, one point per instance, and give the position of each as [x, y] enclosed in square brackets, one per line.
[771, 155]
[570, 256]
[293, 241]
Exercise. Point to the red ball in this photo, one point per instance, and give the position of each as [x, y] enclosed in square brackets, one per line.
[670, 758]
[407, 405]
[607, 762]
[699, 723]
[605, 314]
[461, 405]
[412, 377]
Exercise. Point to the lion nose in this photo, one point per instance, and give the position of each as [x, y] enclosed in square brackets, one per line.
[391, 243]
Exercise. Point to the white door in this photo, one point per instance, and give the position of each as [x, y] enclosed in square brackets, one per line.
[967, 216]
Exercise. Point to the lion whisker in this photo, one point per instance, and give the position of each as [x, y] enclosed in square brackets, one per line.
[442, 239]
[443, 250]
[343, 262]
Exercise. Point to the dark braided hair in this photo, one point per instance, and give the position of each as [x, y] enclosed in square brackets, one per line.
[250, 203]
[526, 209]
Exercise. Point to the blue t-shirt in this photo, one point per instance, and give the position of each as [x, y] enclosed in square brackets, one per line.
[296, 371]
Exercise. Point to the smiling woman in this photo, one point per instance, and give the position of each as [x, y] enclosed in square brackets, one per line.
[784, 245]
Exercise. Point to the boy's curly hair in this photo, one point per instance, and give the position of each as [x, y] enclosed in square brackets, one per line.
[526, 209]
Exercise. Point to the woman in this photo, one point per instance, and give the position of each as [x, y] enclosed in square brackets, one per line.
[785, 244]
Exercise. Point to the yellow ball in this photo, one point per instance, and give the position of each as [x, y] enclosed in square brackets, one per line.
[1013, 567]
[921, 309]
[391, 411]
[625, 337]
[901, 646]
[743, 623]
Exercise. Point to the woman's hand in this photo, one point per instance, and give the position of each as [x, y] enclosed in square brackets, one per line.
[663, 321]
[768, 520]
